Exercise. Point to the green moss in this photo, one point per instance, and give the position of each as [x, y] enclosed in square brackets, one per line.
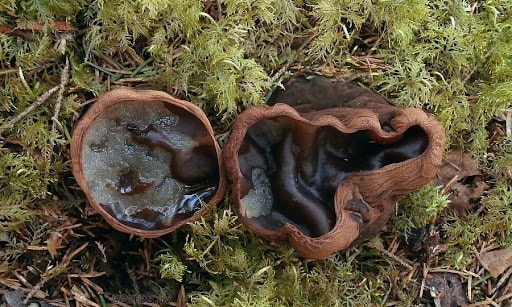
[31, 153]
[117, 25]
[497, 221]
[12, 248]
[502, 165]
[22, 179]
[84, 77]
[455, 56]
[401, 20]
[171, 267]
[495, 224]
[226, 80]
[336, 25]
[418, 209]
[44, 10]
[451, 58]
[230, 267]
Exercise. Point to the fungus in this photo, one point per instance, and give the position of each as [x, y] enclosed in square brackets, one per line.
[323, 164]
[148, 162]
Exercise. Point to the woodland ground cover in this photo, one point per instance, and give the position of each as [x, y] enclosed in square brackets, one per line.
[449, 243]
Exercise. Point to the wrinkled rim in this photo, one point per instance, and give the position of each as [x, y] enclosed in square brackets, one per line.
[121, 95]
[424, 167]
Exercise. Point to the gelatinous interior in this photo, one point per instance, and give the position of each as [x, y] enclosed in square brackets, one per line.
[292, 170]
[147, 163]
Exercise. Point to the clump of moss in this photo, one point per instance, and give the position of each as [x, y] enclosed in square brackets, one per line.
[227, 79]
[459, 54]
[229, 267]
[23, 180]
[419, 208]
[171, 267]
[206, 56]
[493, 225]
[336, 26]
[31, 143]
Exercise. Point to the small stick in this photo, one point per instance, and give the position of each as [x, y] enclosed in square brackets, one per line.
[30, 108]
[503, 279]
[98, 289]
[449, 185]
[464, 274]
[22, 279]
[62, 26]
[87, 275]
[455, 166]
[79, 296]
[504, 297]
[486, 302]
[392, 256]
[423, 279]
[64, 79]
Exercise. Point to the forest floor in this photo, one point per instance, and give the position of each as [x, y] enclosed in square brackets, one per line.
[448, 244]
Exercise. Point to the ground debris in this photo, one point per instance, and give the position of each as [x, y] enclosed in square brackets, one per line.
[446, 290]
[424, 243]
[462, 180]
[13, 298]
[497, 261]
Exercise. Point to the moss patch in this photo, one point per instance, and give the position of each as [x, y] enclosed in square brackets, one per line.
[451, 58]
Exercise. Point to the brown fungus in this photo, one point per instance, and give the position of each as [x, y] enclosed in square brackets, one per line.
[324, 164]
[148, 162]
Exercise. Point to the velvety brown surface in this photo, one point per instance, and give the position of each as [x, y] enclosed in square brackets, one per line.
[335, 157]
[199, 169]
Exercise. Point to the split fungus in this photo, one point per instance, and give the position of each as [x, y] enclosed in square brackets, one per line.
[148, 162]
[323, 165]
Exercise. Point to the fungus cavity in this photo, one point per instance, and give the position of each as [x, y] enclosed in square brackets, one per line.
[291, 170]
[145, 163]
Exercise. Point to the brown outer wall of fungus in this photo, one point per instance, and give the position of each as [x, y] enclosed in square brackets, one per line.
[121, 95]
[421, 169]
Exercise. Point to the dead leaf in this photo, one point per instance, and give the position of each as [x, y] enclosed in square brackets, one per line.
[497, 261]
[457, 163]
[462, 194]
[446, 290]
[53, 242]
[462, 180]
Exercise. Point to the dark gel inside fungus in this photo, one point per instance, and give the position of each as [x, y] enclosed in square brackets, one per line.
[305, 163]
[197, 169]
[130, 182]
[192, 168]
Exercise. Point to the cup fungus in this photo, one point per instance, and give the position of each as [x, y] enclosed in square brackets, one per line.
[148, 162]
[324, 164]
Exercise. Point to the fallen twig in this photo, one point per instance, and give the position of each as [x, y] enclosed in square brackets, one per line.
[37, 103]
[389, 254]
[64, 79]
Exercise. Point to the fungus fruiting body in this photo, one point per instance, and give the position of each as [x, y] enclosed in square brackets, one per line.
[324, 171]
[147, 162]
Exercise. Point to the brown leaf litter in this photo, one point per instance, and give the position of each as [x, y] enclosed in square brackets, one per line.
[462, 180]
